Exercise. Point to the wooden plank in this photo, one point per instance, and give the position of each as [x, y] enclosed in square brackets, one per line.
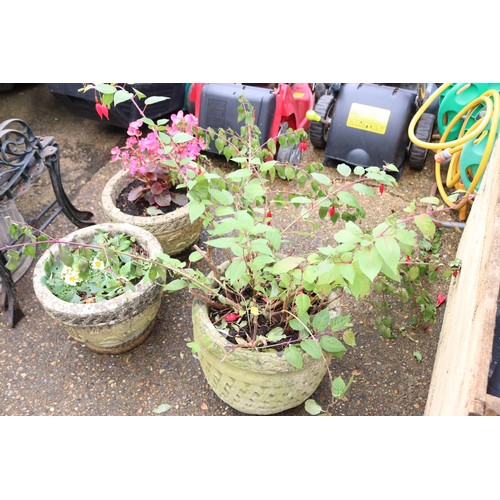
[492, 406]
[460, 374]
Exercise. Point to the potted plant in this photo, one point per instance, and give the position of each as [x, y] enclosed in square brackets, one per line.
[95, 283]
[266, 319]
[150, 189]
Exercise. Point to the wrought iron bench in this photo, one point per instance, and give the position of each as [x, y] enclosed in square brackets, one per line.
[23, 157]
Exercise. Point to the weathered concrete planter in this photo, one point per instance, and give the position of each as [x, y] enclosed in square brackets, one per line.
[114, 326]
[252, 382]
[174, 230]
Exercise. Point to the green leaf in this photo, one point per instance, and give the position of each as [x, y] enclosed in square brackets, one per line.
[105, 88]
[312, 407]
[239, 175]
[276, 334]
[154, 99]
[294, 356]
[196, 210]
[389, 250]
[261, 261]
[236, 270]
[426, 226]
[364, 189]
[29, 250]
[418, 356]
[311, 347]
[195, 256]
[349, 199]
[222, 242]
[286, 264]
[121, 96]
[333, 345]
[182, 137]
[430, 200]
[358, 170]
[338, 388]
[66, 255]
[338, 323]
[12, 260]
[301, 200]
[302, 302]
[194, 346]
[369, 261]
[163, 408]
[344, 170]
[321, 320]
[349, 338]
[152, 210]
[222, 197]
[321, 178]
[175, 285]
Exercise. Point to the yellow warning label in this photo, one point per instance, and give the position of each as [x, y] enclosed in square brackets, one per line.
[368, 118]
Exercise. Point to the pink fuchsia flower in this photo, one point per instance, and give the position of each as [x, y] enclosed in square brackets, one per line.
[331, 211]
[115, 153]
[134, 128]
[150, 143]
[440, 299]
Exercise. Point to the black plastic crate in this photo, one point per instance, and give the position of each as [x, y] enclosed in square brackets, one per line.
[83, 103]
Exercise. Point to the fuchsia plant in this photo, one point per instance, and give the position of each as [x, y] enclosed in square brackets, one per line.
[160, 159]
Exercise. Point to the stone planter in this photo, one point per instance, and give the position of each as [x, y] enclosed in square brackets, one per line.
[113, 326]
[252, 382]
[174, 230]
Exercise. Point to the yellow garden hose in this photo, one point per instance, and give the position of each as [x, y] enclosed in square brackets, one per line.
[452, 149]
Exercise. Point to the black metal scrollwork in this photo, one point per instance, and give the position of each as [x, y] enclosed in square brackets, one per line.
[23, 156]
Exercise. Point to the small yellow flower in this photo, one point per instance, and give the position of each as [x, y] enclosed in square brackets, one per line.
[254, 310]
[97, 264]
[72, 277]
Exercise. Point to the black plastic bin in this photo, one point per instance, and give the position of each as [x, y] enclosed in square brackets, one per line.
[219, 107]
[83, 103]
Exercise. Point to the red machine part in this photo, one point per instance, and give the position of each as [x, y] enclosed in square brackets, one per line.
[292, 103]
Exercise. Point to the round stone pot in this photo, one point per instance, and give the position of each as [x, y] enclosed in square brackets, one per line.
[252, 382]
[174, 230]
[114, 326]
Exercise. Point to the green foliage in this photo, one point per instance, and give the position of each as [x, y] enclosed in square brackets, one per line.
[262, 287]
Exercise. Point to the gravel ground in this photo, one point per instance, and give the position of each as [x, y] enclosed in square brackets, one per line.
[44, 372]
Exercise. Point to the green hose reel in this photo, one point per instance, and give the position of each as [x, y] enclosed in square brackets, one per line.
[452, 101]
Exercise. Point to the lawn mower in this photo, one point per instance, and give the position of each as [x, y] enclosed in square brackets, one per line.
[278, 107]
[366, 124]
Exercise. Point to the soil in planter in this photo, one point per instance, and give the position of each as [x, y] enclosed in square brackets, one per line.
[139, 207]
[238, 334]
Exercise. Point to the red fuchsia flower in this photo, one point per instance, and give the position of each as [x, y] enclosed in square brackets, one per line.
[408, 259]
[102, 110]
[303, 146]
[381, 189]
[331, 211]
[440, 299]
[231, 317]
[455, 273]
